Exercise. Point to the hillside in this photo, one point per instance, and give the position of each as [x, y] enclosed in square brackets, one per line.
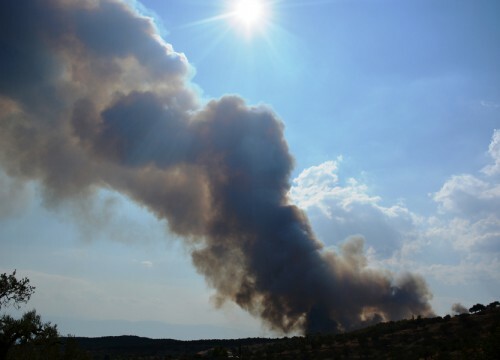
[474, 336]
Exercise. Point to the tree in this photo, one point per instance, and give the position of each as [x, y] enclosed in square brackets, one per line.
[477, 308]
[14, 291]
[72, 350]
[28, 333]
[493, 305]
[27, 336]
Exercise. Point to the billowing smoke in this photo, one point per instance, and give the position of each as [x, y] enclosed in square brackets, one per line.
[91, 97]
[457, 309]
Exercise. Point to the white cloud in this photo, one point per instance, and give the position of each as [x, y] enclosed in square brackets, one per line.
[494, 152]
[470, 208]
[339, 211]
[481, 235]
[468, 195]
[144, 263]
[489, 104]
[470, 270]
[458, 245]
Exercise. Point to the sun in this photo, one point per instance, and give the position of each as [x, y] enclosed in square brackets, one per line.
[248, 17]
[249, 14]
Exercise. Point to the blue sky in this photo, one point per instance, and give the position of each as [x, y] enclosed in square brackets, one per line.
[390, 111]
[388, 84]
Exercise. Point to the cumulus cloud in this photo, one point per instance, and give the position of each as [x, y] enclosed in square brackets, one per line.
[317, 185]
[350, 209]
[481, 234]
[458, 244]
[468, 195]
[469, 205]
[494, 152]
[469, 269]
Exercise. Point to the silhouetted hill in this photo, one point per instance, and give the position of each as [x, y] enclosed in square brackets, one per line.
[131, 347]
[475, 336]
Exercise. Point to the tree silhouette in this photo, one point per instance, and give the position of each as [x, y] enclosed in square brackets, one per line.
[493, 305]
[28, 332]
[29, 335]
[477, 308]
[14, 291]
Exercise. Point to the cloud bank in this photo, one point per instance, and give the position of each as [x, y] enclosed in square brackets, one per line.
[91, 97]
[456, 245]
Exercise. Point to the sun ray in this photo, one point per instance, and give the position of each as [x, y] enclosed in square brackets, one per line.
[254, 20]
[206, 21]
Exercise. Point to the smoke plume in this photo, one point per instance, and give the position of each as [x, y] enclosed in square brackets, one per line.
[91, 97]
[458, 309]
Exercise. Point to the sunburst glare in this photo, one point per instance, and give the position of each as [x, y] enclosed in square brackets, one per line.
[249, 15]
[258, 22]
[249, 12]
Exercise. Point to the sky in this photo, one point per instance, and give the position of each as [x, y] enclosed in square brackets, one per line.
[391, 112]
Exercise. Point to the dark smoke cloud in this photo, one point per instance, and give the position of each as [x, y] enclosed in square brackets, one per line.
[91, 97]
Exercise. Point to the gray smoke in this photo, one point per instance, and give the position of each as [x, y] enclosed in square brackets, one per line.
[91, 97]
[458, 309]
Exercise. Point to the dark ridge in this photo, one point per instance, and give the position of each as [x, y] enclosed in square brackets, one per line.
[134, 346]
[465, 336]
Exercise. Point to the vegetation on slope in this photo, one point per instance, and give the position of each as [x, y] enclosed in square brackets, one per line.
[466, 336]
